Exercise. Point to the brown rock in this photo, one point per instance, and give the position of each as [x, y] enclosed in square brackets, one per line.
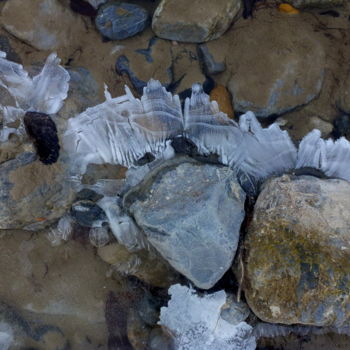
[222, 96]
[298, 252]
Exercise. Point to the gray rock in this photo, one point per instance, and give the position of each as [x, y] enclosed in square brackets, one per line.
[37, 23]
[286, 68]
[298, 250]
[210, 65]
[196, 21]
[33, 195]
[86, 213]
[117, 21]
[191, 213]
[83, 92]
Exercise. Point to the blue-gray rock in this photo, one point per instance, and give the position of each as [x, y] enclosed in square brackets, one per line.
[117, 21]
[297, 252]
[191, 213]
[83, 92]
[86, 212]
[33, 195]
[210, 65]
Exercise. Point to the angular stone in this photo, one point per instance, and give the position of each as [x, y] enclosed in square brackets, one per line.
[33, 195]
[275, 63]
[191, 213]
[194, 21]
[37, 21]
[298, 252]
[117, 21]
[210, 65]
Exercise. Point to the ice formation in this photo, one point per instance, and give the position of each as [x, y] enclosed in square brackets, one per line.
[44, 93]
[195, 322]
[63, 230]
[122, 130]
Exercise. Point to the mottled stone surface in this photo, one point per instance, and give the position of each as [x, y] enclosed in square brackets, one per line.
[274, 64]
[298, 249]
[53, 296]
[146, 266]
[33, 195]
[191, 213]
[117, 21]
[194, 21]
[36, 23]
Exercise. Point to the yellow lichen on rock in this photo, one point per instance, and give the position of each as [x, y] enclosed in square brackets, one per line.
[287, 8]
[222, 96]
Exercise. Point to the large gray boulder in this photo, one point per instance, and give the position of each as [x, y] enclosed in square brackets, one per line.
[191, 213]
[195, 21]
[298, 252]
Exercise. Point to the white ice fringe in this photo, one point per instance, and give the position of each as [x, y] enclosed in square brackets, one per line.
[195, 322]
[332, 157]
[63, 230]
[43, 93]
[122, 130]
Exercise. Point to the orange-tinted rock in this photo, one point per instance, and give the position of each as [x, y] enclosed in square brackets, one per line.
[287, 8]
[222, 96]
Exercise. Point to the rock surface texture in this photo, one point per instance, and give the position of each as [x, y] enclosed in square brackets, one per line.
[191, 213]
[33, 195]
[37, 23]
[274, 62]
[117, 21]
[196, 21]
[298, 252]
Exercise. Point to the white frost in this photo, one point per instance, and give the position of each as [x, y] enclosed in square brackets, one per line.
[195, 322]
[43, 93]
[332, 157]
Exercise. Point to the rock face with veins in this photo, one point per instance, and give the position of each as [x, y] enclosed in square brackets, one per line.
[191, 213]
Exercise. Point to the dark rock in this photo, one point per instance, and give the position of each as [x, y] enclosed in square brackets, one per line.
[342, 127]
[119, 21]
[83, 7]
[210, 65]
[42, 129]
[5, 46]
[86, 212]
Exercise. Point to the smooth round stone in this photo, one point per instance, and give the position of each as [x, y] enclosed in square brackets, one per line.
[121, 21]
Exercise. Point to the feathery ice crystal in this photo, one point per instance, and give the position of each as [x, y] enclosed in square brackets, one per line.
[122, 130]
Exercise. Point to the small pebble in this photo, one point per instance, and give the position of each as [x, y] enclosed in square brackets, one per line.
[119, 21]
[221, 95]
[287, 8]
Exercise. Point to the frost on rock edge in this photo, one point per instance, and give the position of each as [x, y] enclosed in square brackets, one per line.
[195, 322]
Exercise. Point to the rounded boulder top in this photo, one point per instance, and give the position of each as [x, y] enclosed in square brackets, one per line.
[121, 20]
